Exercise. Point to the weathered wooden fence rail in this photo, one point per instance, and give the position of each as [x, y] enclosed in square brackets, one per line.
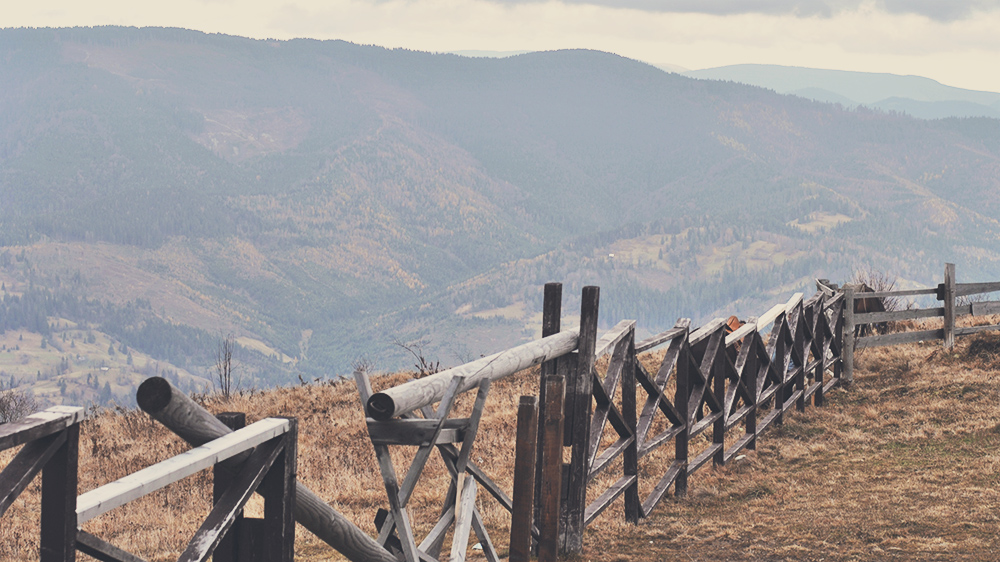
[948, 292]
[734, 384]
[266, 451]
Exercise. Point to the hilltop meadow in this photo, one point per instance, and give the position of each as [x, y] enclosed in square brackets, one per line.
[903, 465]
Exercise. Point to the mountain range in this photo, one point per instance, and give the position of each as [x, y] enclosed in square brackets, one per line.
[329, 203]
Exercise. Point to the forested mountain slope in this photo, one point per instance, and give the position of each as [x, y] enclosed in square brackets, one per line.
[321, 199]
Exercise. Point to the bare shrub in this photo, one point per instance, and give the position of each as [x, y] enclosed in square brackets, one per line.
[423, 365]
[16, 404]
[224, 367]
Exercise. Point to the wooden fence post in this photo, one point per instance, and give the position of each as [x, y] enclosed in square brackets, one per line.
[630, 459]
[949, 306]
[228, 549]
[59, 487]
[579, 397]
[551, 462]
[278, 489]
[681, 396]
[524, 479]
[847, 352]
[551, 317]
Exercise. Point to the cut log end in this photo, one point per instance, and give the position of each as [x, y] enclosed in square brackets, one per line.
[154, 394]
[381, 407]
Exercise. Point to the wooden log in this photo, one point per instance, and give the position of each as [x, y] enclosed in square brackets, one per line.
[157, 397]
[949, 306]
[579, 396]
[405, 398]
[551, 461]
[524, 479]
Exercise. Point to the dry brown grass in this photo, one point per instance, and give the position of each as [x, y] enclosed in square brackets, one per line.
[903, 466]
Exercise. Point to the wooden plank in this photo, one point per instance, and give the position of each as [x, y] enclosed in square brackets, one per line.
[57, 539]
[424, 452]
[611, 338]
[484, 537]
[417, 432]
[742, 332]
[889, 294]
[23, 468]
[875, 317]
[898, 338]
[524, 479]
[104, 551]
[975, 330]
[630, 459]
[770, 316]
[38, 425]
[740, 444]
[706, 330]
[966, 289]
[463, 521]
[440, 528]
[609, 455]
[607, 497]
[985, 308]
[703, 458]
[579, 393]
[551, 461]
[704, 423]
[150, 479]
[651, 445]
[660, 490]
[415, 394]
[224, 513]
[763, 424]
[661, 338]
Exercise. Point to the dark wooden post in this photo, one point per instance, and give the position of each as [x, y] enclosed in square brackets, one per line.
[551, 462]
[838, 339]
[278, 489]
[228, 549]
[719, 365]
[630, 458]
[847, 347]
[59, 486]
[949, 306]
[681, 396]
[799, 345]
[551, 317]
[579, 398]
[820, 343]
[750, 373]
[524, 479]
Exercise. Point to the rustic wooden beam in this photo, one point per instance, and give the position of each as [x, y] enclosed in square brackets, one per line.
[985, 308]
[57, 539]
[898, 338]
[552, 464]
[225, 511]
[152, 478]
[551, 322]
[407, 397]
[966, 289]
[630, 458]
[875, 317]
[23, 468]
[847, 352]
[101, 550]
[228, 548]
[524, 479]
[579, 397]
[975, 330]
[949, 306]
[157, 397]
[38, 425]
[651, 342]
[611, 338]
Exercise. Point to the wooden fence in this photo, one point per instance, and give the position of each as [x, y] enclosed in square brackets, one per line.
[734, 384]
[50, 440]
[951, 295]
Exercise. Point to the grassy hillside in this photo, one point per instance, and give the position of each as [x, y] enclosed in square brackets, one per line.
[323, 200]
[901, 466]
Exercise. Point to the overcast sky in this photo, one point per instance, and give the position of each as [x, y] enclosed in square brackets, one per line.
[954, 41]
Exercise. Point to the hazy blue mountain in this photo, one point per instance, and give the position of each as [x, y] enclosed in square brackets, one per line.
[872, 89]
[323, 200]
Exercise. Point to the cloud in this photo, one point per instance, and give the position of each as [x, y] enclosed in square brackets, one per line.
[938, 10]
